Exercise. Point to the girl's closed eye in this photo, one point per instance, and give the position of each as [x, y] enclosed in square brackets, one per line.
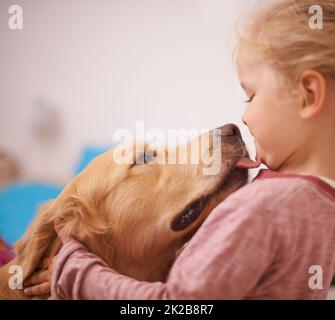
[249, 99]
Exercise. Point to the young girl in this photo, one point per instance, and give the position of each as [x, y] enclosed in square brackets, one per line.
[275, 237]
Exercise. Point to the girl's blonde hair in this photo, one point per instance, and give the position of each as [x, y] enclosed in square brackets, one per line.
[281, 33]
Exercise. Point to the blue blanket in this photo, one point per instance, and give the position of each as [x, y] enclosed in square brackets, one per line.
[19, 201]
[18, 205]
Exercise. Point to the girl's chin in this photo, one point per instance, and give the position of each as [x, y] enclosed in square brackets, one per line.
[270, 164]
[263, 159]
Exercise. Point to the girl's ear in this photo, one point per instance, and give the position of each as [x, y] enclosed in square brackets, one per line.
[313, 91]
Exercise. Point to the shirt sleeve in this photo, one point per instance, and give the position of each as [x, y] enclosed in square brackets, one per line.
[225, 259]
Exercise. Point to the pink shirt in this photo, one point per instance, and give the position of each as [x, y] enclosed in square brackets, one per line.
[265, 241]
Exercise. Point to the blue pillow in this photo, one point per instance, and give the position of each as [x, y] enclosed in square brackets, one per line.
[19, 201]
[18, 206]
[87, 156]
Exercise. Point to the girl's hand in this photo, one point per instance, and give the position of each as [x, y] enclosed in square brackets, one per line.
[39, 284]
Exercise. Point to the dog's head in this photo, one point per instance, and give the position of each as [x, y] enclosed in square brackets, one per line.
[137, 214]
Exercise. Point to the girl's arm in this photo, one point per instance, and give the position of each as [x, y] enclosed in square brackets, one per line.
[79, 274]
[224, 260]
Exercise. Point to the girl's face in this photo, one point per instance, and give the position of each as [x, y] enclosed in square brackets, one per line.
[271, 113]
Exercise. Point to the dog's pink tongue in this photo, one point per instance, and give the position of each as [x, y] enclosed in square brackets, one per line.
[246, 163]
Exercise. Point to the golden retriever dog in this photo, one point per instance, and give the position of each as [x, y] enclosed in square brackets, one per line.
[137, 215]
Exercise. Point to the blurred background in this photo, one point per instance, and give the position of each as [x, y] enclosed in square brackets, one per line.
[79, 70]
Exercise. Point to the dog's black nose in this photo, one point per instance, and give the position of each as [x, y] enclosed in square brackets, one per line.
[230, 130]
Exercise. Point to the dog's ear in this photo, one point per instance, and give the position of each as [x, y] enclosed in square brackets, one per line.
[82, 219]
[31, 248]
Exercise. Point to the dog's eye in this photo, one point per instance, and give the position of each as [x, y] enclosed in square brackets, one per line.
[142, 159]
[146, 157]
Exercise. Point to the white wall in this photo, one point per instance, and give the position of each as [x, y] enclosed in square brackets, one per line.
[102, 65]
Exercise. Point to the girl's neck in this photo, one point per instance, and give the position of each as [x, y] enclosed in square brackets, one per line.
[321, 165]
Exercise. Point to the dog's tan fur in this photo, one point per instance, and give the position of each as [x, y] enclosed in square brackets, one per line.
[123, 213]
